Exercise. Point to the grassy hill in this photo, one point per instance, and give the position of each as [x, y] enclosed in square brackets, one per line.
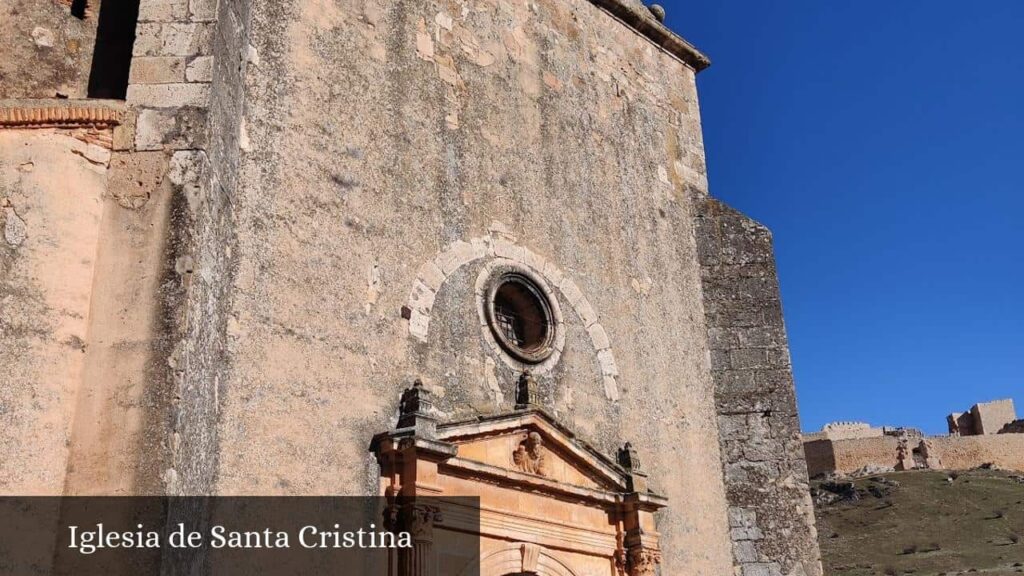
[922, 523]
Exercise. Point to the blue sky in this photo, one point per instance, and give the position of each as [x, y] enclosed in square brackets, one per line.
[883, 144]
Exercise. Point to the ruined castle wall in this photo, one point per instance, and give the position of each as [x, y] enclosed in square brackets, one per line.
[46, 51]
[379, 136]
[820, 456]
[854, 454]
[990, 417]
[770, 511]
[1006, 451]
[51, 186]
[955, 453]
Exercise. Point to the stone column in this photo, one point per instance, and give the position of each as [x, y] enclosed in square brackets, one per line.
[418, 520]
[643, 560]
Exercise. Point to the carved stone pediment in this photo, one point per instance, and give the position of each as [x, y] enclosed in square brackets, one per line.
[566, 508]
[531, 443]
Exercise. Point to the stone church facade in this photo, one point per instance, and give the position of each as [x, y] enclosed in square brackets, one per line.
[356, 247]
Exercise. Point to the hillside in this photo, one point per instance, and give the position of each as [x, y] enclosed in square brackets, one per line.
[922, 523]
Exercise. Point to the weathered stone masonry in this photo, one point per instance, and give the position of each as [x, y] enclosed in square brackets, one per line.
[770, 510]
[295, 188]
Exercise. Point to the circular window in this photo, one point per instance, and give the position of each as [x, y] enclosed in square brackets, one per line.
[520, 317]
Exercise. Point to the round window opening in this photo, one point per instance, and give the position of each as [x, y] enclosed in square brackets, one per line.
[520, 316]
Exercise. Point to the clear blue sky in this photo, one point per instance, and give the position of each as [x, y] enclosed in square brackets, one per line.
[883, 144]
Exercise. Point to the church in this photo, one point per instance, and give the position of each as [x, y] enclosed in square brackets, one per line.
[409, 249]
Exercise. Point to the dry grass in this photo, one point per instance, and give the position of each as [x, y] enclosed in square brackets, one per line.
[927, 526]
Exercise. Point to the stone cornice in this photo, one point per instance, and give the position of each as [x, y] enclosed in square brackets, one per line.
[60, 114]
[642, 21]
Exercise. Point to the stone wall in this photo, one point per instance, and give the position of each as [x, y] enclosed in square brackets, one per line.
[157, 180]
[1015, 427]
[53, 174]
[210, 250]
[982, 418]
[302, 199]
[46, 51]
[990, 417]
[770, 511]
[1006, 451]
[120, 429]
[844, 430]
[377, 137]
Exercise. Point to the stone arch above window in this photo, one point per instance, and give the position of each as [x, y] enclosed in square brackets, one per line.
[501, 251]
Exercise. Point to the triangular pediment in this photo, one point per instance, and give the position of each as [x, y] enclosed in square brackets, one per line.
[532, 443]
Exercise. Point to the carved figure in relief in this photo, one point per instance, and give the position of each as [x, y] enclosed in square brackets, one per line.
[531, 456]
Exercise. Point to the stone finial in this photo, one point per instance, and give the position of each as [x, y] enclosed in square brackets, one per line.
[658, 11]
[416, 409]
[629, 459]
[527, 391]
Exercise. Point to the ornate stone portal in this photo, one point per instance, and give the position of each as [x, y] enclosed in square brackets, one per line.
[549, 504]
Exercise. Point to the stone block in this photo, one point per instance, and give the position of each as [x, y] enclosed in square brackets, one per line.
[747, 358]
[200, 69]
[599, 337]
[760, 569]
[457, 255]
[778, 358]
[168, 95]
[733, 426]
[742, 517]
[607, 361]
[135, 177]
[586, 312]
[202, 10]
[611, 388]
[173, 129]
[173, 39]
[553, 273]
[124, 133]
[744, 551]
[720, 360]
[572, 293]
[722, 338]
[534, 260]
[747, 533]
[431, 275]
[163, 10]
[419, 325]
[422, 297]
[505, 249]
[157, 70]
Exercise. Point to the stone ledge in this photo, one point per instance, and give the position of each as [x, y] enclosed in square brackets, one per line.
[640, 19]
[60, 113]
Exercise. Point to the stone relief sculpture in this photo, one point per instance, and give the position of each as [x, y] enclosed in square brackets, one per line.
[531, 455]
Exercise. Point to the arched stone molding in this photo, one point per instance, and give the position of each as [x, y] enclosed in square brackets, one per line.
[520, 558]
[502, 249]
